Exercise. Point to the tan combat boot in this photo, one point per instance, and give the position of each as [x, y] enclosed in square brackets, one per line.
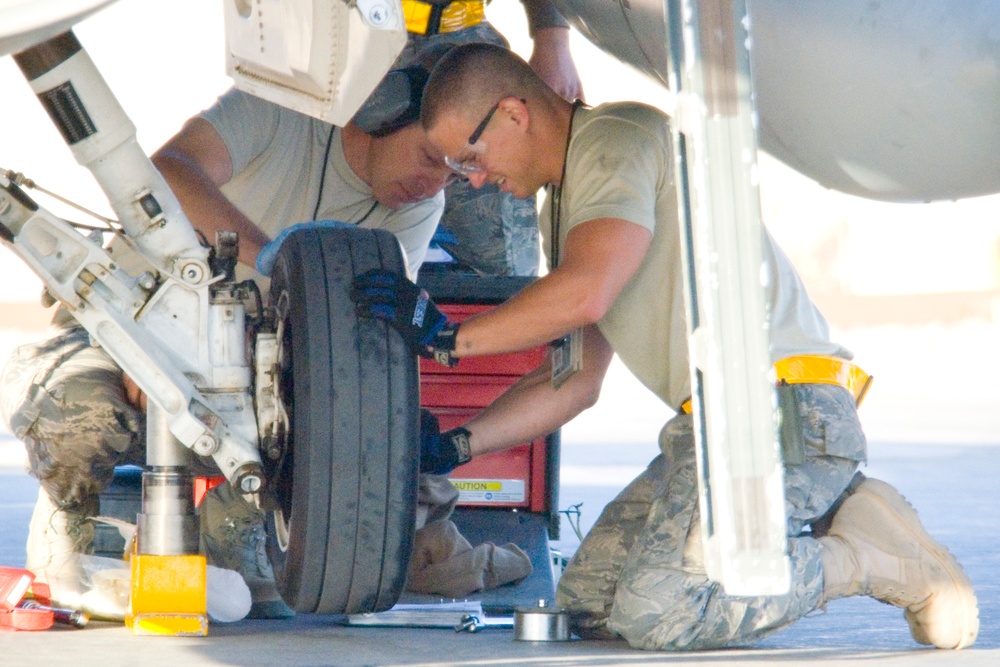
[877, 546]
[232, 537]
[56, 538]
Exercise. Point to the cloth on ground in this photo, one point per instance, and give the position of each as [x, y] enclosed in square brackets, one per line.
[443, 561]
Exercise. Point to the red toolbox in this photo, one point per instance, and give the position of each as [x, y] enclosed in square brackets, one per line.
[525, 477]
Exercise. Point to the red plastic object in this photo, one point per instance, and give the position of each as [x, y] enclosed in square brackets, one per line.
[202, 485]
[14, 583]
[26, 619]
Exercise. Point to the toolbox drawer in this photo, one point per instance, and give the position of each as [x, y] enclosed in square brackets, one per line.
[444, 391]
[513, 364]
[512, 478]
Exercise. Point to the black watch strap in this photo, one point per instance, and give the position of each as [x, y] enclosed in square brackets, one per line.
[459, 438]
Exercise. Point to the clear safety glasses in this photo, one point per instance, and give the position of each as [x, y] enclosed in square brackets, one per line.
[471, 164]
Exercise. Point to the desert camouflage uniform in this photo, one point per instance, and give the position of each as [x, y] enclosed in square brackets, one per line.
[640, 572]
[495, 233]
[64, 398]
[490, 231]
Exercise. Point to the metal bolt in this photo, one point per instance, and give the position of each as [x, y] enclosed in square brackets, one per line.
[205, 445]
[192, 272]
[271, 447]
[469, 623]
[250, 484]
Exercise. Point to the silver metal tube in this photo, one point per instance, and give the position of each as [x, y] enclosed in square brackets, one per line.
[167, 525]
[163, 450]
[740, 474]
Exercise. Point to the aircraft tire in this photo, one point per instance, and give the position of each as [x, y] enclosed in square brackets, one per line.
[341, 512]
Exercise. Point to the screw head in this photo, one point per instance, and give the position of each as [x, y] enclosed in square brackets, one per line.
[205, 445]
[250, 484]
[378, 15]
[192, 272]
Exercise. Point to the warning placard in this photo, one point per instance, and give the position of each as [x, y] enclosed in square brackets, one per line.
[490, 490]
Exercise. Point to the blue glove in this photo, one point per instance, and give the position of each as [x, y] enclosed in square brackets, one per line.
[440, 453]
[269, 253]
[392, 297]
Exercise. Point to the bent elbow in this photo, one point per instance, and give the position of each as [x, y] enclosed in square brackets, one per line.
[593, 307]
[589, 390]
[591, 398]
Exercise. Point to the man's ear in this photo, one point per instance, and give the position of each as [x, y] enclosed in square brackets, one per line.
[516, 109]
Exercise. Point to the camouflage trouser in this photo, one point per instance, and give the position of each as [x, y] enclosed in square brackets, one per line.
[492, 232]
[640, 572]
[65, 400]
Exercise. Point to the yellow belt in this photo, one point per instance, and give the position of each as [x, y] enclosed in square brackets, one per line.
[818, 369]
[421, 16]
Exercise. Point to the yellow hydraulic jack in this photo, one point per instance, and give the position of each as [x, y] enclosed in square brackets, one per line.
[168, 596]
[168, 592]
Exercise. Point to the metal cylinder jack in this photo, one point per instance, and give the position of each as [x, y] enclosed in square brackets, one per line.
[167, 525]
[541, 624]
[169, 580]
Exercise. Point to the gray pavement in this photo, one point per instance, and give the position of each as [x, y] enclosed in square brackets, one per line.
[954, 487]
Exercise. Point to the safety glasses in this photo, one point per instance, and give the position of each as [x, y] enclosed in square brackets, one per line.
[471, 164]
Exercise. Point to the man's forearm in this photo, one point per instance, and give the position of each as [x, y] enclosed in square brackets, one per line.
[550, 56]
[542, 14]
[542, 312]
[601, 256]
[532, 408]
[205, 205]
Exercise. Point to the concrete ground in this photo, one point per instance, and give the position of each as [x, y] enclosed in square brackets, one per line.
[954, 487]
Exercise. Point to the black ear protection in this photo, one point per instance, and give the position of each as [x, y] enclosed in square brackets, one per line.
[395, 102]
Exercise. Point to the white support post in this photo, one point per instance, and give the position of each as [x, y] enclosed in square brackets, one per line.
[734, 404]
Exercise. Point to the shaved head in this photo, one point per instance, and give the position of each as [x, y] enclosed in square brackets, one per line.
[472, 78]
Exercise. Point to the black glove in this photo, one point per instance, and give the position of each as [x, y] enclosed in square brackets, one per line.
[440, 453]
[392, 297]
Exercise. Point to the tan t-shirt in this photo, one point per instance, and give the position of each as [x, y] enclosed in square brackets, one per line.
[283, 161]
[620, 165]
[282, 165]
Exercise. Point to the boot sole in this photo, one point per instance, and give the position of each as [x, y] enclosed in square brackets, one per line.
[966, 604]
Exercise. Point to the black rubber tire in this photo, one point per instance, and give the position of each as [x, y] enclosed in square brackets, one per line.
[346, 487]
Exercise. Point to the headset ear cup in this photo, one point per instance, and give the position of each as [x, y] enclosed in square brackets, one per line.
[409, 106]
[389, 101]
[395, 102]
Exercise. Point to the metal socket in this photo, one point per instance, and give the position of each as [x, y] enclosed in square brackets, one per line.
[541, 624]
